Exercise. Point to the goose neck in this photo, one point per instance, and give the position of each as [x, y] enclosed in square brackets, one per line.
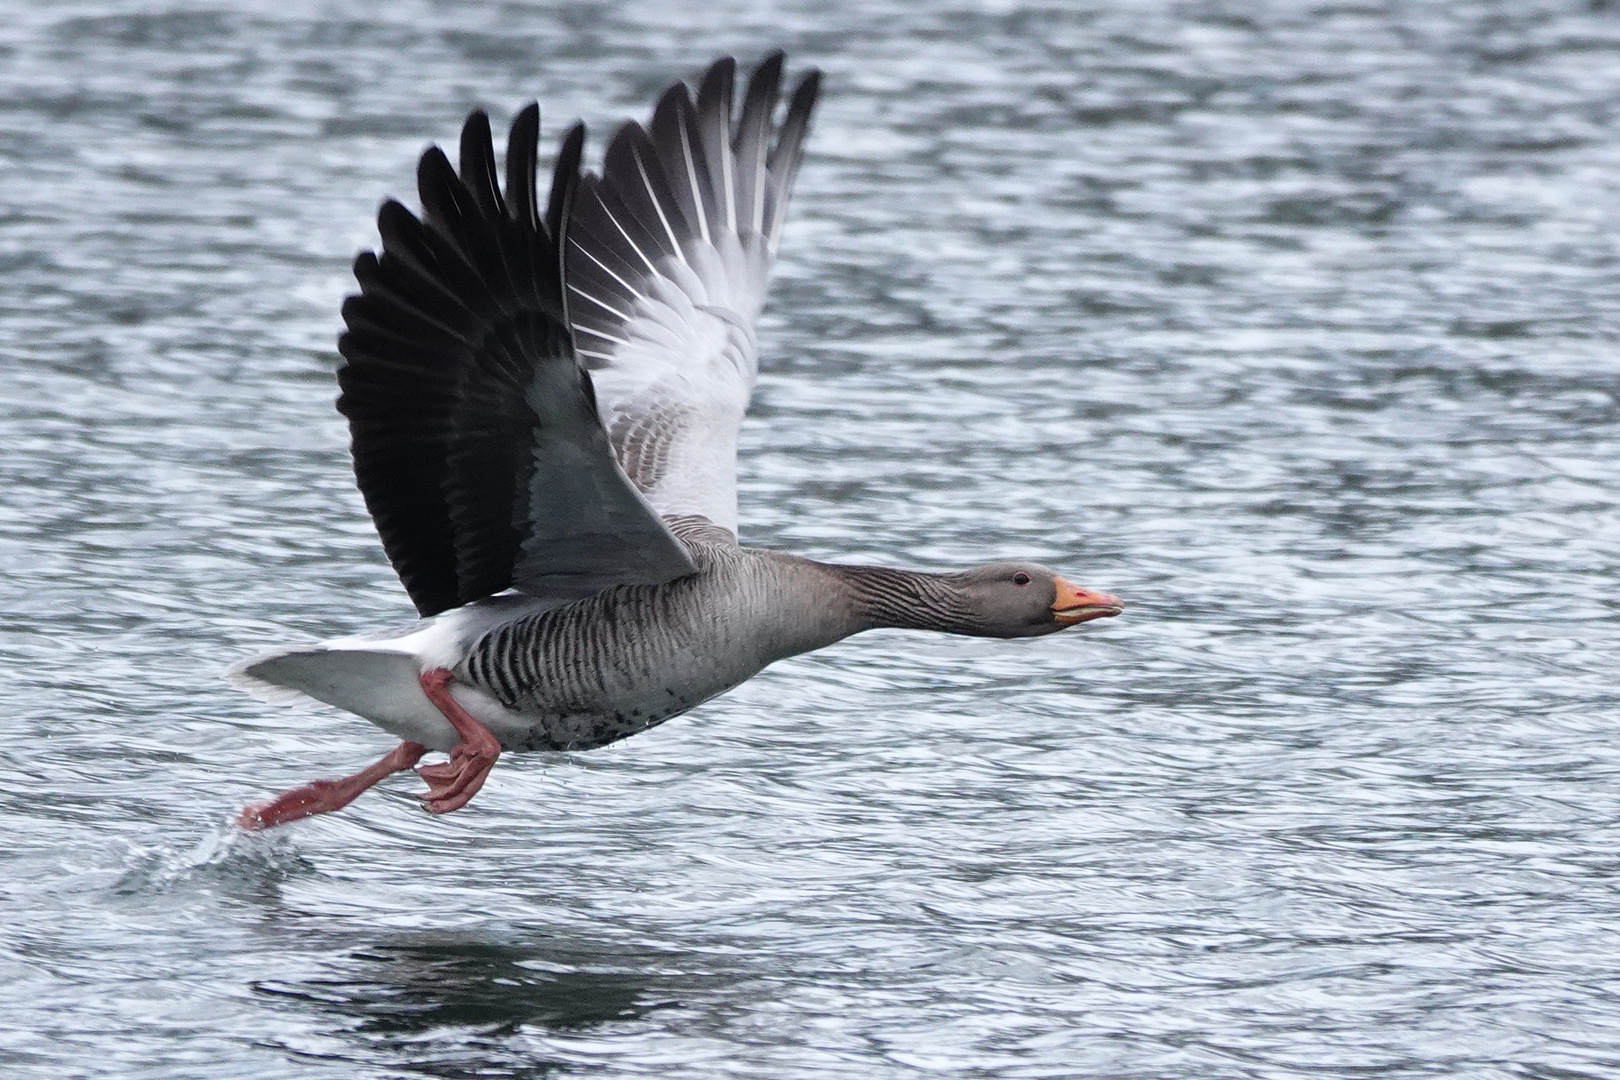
[884, 597]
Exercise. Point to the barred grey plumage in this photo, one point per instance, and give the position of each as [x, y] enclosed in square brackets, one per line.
[592, 672]
[545, 414]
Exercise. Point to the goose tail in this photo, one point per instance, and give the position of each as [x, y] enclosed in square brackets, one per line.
[379, 684]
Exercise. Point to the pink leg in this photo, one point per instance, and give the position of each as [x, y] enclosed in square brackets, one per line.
[452, 784]
[324, 796]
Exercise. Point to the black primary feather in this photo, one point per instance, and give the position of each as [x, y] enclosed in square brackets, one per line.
[476, 440]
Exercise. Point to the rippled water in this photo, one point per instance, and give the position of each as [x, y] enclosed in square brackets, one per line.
[1295, 326]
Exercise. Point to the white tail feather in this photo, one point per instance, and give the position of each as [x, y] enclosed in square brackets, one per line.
[379, 684]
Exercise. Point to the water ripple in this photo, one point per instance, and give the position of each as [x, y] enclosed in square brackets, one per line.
[1293, 325]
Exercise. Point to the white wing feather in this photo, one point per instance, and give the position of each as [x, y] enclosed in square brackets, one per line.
[665, 288]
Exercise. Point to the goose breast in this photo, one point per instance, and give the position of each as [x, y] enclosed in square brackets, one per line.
[603, 668]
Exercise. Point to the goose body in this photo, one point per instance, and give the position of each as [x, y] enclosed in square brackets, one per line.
[544, 410]
[584, 673]
[599, 669]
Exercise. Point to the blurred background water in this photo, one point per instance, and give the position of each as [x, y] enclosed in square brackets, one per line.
[1294, 324]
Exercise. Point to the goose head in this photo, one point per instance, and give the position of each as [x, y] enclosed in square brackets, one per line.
[1021, 599]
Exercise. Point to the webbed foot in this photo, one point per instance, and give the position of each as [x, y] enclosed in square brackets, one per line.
[324, 796]
[452, 784]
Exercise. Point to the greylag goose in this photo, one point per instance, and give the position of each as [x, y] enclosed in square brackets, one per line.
[544, 404]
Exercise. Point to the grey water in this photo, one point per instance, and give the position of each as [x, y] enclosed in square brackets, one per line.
[1295, 325]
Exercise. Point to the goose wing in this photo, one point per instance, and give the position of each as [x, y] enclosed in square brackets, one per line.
[477, 440]
[668, 258]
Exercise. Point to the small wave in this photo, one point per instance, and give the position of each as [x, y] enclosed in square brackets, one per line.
[226, 858]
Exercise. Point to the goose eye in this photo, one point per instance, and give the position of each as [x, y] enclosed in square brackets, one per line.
[1020, 578]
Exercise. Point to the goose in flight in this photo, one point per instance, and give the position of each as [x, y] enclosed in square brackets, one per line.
[544, 403]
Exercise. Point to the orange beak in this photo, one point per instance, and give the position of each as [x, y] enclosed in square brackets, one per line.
[1075, 605]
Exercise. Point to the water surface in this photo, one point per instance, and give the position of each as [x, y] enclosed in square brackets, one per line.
[1294, 325]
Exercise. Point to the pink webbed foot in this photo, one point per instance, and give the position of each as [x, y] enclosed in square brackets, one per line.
[324, 796]
[452, 784]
